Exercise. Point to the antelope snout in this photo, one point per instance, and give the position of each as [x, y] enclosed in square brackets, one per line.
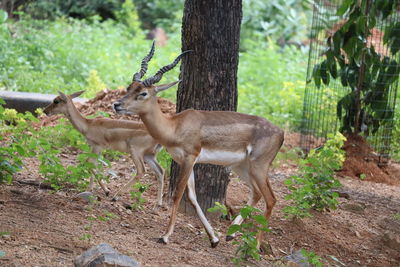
[117, 106]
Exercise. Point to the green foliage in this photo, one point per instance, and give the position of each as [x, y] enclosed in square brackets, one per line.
[51, 9]
[19, 139]
[396, 134]
[312, 188]
[281, 20]
[312, 258]
[13, 126]
[85, 237]
[71, 55]
[160, 13]
[219, 208]
[50, 56]
[165, 160]
[247, 246]
[359, 66]
[396, 217]
[129, 17]
[47, 144]
[94, 83]
[270, 83]
[136, 196]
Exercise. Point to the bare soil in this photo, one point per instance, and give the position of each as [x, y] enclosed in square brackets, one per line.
[39, 227]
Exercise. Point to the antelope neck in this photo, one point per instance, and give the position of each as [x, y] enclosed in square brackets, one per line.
[159, 126]
[76, 118]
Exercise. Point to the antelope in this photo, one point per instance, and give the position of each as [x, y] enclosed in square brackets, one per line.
[248, 144]
[121, 135]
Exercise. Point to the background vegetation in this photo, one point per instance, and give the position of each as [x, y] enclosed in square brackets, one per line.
[71, 45]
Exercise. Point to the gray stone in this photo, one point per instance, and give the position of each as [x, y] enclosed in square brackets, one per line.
[87, 196]
[297, 259]
[105, 256]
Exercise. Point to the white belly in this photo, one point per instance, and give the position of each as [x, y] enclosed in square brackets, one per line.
[220, 157]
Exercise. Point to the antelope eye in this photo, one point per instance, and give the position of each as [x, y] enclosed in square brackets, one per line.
[143, 94]
[56, 101]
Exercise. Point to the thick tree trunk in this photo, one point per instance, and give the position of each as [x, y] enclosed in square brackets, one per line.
[211, 28]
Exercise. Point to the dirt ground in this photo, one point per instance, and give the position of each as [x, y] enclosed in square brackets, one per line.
[39, 227]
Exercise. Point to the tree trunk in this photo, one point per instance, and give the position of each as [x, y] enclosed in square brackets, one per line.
[211, 28]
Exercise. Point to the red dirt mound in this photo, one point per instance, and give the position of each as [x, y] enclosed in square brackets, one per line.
[363, 163]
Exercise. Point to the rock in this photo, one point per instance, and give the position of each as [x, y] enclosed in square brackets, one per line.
[105, 256]
[87, 196]
[297, 259]
[391, 240]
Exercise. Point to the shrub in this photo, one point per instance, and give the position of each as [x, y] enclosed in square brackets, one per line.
[13, 127]
[312, 187]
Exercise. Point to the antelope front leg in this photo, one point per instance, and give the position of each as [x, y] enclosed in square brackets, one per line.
[140, 171]
[193, 199]
[186, 170]
[159, 172]
[96, 150]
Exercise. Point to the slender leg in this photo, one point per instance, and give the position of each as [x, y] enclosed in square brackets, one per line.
[193, 199]
[159, 171]
[140, 171]
[261, 178]
[242, 171]
[186, 170]
[255, 196]
[96, 150]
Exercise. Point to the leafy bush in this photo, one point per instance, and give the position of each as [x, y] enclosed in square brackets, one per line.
[19, 139]
[280, 20]
[51, 9]
[165, 160]
[312, 258]
[254, 223]
[47, 144]
[312, 188]
[270, 83]
[12, 137]
[136, 196]
[44, 56]
[247, 246]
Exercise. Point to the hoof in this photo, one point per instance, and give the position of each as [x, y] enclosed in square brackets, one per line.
[114, 199]
[229, 238]
[107, 193]
[161, 241]
[214, 244]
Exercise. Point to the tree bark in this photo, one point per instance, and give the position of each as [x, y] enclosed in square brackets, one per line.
[211, 28]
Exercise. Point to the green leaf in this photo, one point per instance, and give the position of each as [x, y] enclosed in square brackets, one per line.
[343, 76]
[317, 75]
[324, 73]
[344, 7]
[337, 42]
[261, 220]
[233, 229]
[3, 16]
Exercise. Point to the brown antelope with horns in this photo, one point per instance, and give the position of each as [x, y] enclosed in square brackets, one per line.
[248, 144]
[121, 135]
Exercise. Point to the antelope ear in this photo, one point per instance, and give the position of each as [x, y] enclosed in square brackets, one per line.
[165, 86]
[76, 94]
[63, 96]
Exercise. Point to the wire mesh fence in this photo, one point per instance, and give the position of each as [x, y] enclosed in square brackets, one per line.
[325, 102]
